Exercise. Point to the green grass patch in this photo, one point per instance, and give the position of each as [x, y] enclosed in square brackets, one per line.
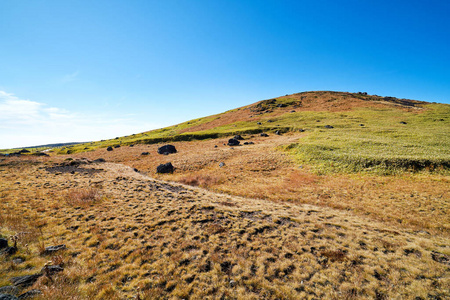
[383, 145]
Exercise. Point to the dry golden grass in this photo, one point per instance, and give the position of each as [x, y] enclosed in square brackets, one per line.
[149, 239]
[416, 201]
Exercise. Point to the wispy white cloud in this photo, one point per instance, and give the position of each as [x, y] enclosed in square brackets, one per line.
[27, 123]
[70, 77]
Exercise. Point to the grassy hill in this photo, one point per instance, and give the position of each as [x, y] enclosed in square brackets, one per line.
[370, 133]
[345, 198]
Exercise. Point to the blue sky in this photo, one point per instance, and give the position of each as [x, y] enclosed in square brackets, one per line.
[90, 70]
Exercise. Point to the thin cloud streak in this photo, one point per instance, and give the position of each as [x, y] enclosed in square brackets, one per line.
[27, 123]
[70, 77]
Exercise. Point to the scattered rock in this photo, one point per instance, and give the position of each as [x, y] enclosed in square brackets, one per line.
[24, 151]
[50, 270]
[3, 243]
[281, 105]
[361, 125]
[7, 297]
[9, 289]
[165, 168]
[246, 143]
[145, 153]
[29, 294]
[136, 170]
[238, 137]
[10, 250]
[109, 148]
[277, 132]
[270, 121]
[292, 111]
[329, 126]
[221, 164]
[25, 281]
[259, 123]
[215, 146]
[131, 145]
[233, 142]
[18, 260]
[99, 160]
[302, 130]
[264, 134]
[403, 122]
[167, 149]
[440, 257]
[53, 249]
[117, 146]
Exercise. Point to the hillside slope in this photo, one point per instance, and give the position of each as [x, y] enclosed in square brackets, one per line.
[128, 235]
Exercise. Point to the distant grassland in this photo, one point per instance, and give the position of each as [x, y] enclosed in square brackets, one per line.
[382, 145]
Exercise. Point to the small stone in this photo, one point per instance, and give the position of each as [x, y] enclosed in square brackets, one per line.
[53, 249]
[109, 148]
[221, 164]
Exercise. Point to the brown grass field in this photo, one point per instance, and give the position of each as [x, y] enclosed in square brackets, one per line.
[262, 226]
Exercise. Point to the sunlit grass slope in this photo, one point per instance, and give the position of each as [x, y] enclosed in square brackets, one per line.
[377, 134]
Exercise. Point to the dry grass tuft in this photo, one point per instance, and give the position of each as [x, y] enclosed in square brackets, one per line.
[83, 196]
[201, 180]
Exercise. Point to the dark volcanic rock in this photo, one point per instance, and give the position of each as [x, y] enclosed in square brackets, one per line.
[25, 281]
[3, 243]
[109, 148]
[403, 122]
[145, 153]
[441, 258]
[165, 168]
[233, 142]
[167, 149]
[7, 297]
[24, 151]
[99, 160]
[264, 134]
[328, 126]
[10, 250]
[238, 137]
[30, 294]
[9, 289]
[53, 249]
[50, 270]
[277, 132]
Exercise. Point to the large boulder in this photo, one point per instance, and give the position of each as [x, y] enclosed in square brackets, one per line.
[3, 243]
[167, 149]
[165, 168]
[233, 142]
